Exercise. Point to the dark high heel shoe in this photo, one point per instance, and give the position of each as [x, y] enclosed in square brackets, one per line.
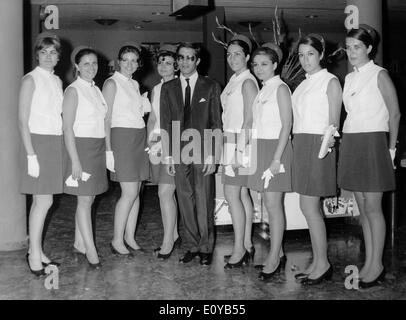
[37, 273]
[301, 276]
[251, 253]
[325, 276]
[178, 242]
[78, 252]
[282, 262]
[118, 253]
[244, 260]
[264, 276]
[164, 256]
[51, 263]
[377, 281]
[95, 266]
[140, 250]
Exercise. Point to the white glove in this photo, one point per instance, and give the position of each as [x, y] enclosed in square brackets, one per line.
[267, 175]
[209, 160]
[33, 166]
[110, 161]
[392, 156]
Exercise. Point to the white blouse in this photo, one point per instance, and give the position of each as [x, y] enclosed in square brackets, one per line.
[363, 101]
[91, 110]
[310, 103]
[46, 105]
[232, 102]
[129, 106]
[267, 122]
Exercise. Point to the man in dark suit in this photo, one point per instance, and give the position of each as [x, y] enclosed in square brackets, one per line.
[190, 106]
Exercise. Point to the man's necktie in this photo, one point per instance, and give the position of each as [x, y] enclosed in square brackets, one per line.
[187, 111]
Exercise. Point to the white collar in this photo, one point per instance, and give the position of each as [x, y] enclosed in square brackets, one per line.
[192, 78]
[270, 80]
[236, 77]
[365, 67]
[120, 75]
[316, 74]
[86, 83]
[45, 72]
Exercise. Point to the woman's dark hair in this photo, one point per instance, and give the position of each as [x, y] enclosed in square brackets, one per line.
[165, 54]
[316, 42]
[189, 45]
[368, 37]
[82, 53]
[273, 56]
[47, 42]
[127, 48]
[242, 44]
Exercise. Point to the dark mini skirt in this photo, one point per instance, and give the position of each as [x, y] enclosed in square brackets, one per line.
[92, 157]
[365, 164]
[49, 151]
[158, 174]
[131, 161]
[312, 176]
[282, 182]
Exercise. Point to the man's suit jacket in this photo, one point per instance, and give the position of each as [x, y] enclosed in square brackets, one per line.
[205, 110]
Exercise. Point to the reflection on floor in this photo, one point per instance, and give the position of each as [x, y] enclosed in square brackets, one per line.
[144, 277]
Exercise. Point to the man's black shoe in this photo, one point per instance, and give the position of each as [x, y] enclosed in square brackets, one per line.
[206, 258]
[189, 256]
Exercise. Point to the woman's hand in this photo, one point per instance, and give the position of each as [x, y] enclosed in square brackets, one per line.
[76, 170]
[110, 161]
[275, 167]
[331, 142]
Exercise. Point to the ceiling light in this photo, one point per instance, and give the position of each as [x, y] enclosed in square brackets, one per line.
[106, 22]
[138, 27]
[312, 16]
[158, 13]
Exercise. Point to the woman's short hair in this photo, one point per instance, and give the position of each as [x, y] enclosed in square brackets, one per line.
[272, 55]
[242, 44]
[314, 40]
[48, 41]
[129, 48]
[84, 52]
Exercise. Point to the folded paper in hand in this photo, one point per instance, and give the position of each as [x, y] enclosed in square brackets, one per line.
[74, 183]
[228, 170]
[325, 149]
[267, 175]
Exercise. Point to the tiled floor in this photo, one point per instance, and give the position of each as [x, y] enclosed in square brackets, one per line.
[144, 277]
